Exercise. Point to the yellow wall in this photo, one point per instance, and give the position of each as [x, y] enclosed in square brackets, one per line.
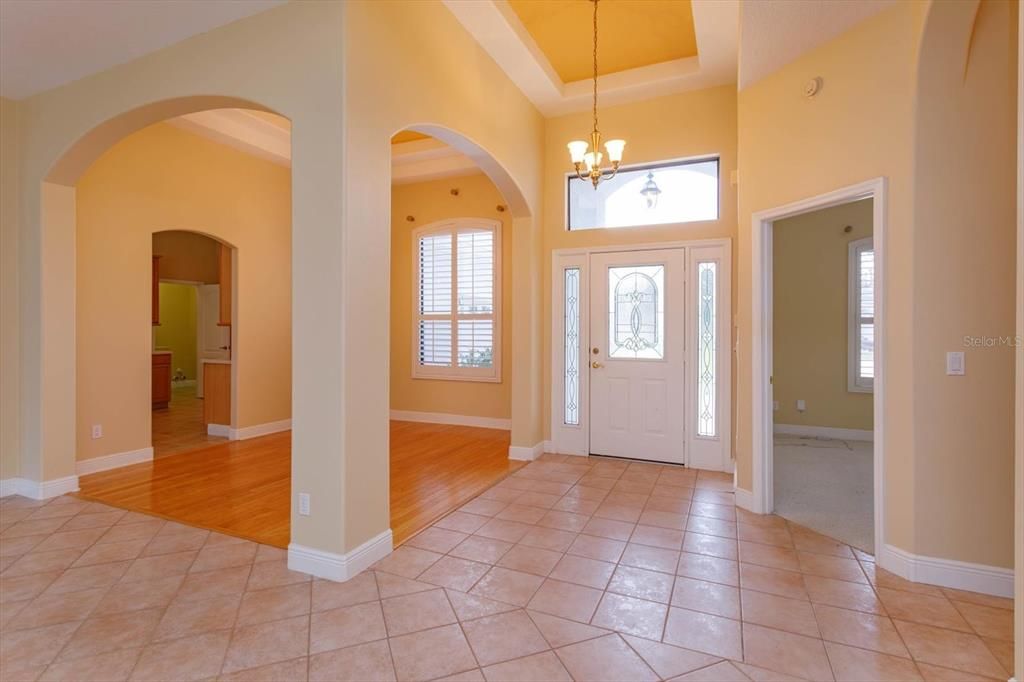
[429, 202]
[810, 286]
[859, 127]
[701, 123]
[163, 178]
[963, 278]
[936, 126]
[187, 256]
[443, 83]
[10, 365]
[177, 329]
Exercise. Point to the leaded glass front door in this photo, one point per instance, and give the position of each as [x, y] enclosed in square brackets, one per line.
[637, 355]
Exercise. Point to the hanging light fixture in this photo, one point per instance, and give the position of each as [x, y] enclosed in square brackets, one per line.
[588, 163]
[650, 191]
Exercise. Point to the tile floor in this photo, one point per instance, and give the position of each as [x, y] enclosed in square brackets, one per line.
[568, 569]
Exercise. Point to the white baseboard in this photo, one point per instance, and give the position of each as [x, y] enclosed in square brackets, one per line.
[526, 453]
[824, 432]
[257, 430]
[36, 490]
[960, 575]
[115, 461]
[454, 419]
[339, 567]
[745, 500]
[222, 430]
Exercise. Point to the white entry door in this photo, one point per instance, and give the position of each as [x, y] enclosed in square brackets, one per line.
[637, 355]
[213, 339]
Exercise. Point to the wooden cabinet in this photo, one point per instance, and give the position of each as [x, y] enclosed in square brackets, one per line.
[216, 393]
[161, 380]
[156, 289]
[224, 268]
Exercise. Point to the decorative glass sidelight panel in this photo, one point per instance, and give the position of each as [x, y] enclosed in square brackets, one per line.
[636, 312]
[706, 347]
[572, 346]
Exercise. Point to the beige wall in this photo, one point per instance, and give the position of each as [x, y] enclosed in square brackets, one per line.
[64, 130]
[964, 212]
[1018, 617]
[187, 256]
[440, 82]
[810, 328]
[10, 365]
[429, 202]
[163, 178]
[948, 245]
[791, 148]
[701, 123]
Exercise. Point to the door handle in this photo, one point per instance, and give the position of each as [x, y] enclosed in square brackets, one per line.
[596, 365]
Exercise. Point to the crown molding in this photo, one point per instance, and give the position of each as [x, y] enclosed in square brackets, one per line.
[497, 28]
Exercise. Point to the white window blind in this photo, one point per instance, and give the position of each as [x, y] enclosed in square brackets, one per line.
[457, 280]
[861, 359]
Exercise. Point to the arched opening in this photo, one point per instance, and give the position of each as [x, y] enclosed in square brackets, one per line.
[452, 286]
[176, 199]
[193, 374]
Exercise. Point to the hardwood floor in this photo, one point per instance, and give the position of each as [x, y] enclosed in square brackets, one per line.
[437, 467]
[179, 427]
[243, 487]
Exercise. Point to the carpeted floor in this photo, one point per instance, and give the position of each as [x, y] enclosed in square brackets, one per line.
[826, 485]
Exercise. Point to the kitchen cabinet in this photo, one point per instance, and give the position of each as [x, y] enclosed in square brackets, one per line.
[216, 392]
[224, 268]
[161, 380]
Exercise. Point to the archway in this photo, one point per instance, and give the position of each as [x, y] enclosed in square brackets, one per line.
[451, 364]
[153, 179]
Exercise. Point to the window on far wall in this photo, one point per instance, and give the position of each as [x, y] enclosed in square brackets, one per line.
[651, 194]
[861, 327]
[457, 326]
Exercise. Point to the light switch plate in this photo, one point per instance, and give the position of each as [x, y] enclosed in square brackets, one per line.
[955, 363]
[303, 504]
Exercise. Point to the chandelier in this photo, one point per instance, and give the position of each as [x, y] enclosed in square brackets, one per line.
[588, 164]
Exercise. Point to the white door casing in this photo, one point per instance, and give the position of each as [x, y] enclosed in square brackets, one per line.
[637, 355]
[213, 339]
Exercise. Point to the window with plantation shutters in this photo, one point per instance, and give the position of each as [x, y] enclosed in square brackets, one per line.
[861, 357]
[457, 300]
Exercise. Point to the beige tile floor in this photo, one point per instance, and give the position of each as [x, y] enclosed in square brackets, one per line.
[569, 569]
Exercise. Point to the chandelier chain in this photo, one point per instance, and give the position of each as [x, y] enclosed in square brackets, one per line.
[595, 65]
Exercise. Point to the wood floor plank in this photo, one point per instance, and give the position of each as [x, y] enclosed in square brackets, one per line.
[243, 487]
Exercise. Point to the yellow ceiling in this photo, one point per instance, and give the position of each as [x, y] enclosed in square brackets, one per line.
[631, 33]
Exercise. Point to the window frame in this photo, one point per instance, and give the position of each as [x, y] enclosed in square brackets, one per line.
[454, 372]
[645, 166]
[855, 382]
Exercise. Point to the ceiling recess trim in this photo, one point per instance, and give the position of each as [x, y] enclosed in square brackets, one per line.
[498, 29]
[249, 132]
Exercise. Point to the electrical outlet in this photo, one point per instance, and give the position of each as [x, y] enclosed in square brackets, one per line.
[303, 504]
[775, 405]
[801, 406]
[97, 431]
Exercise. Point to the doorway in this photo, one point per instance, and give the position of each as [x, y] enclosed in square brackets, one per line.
[865, 325]
[192, 360]
[641, 354]
[823, 370]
